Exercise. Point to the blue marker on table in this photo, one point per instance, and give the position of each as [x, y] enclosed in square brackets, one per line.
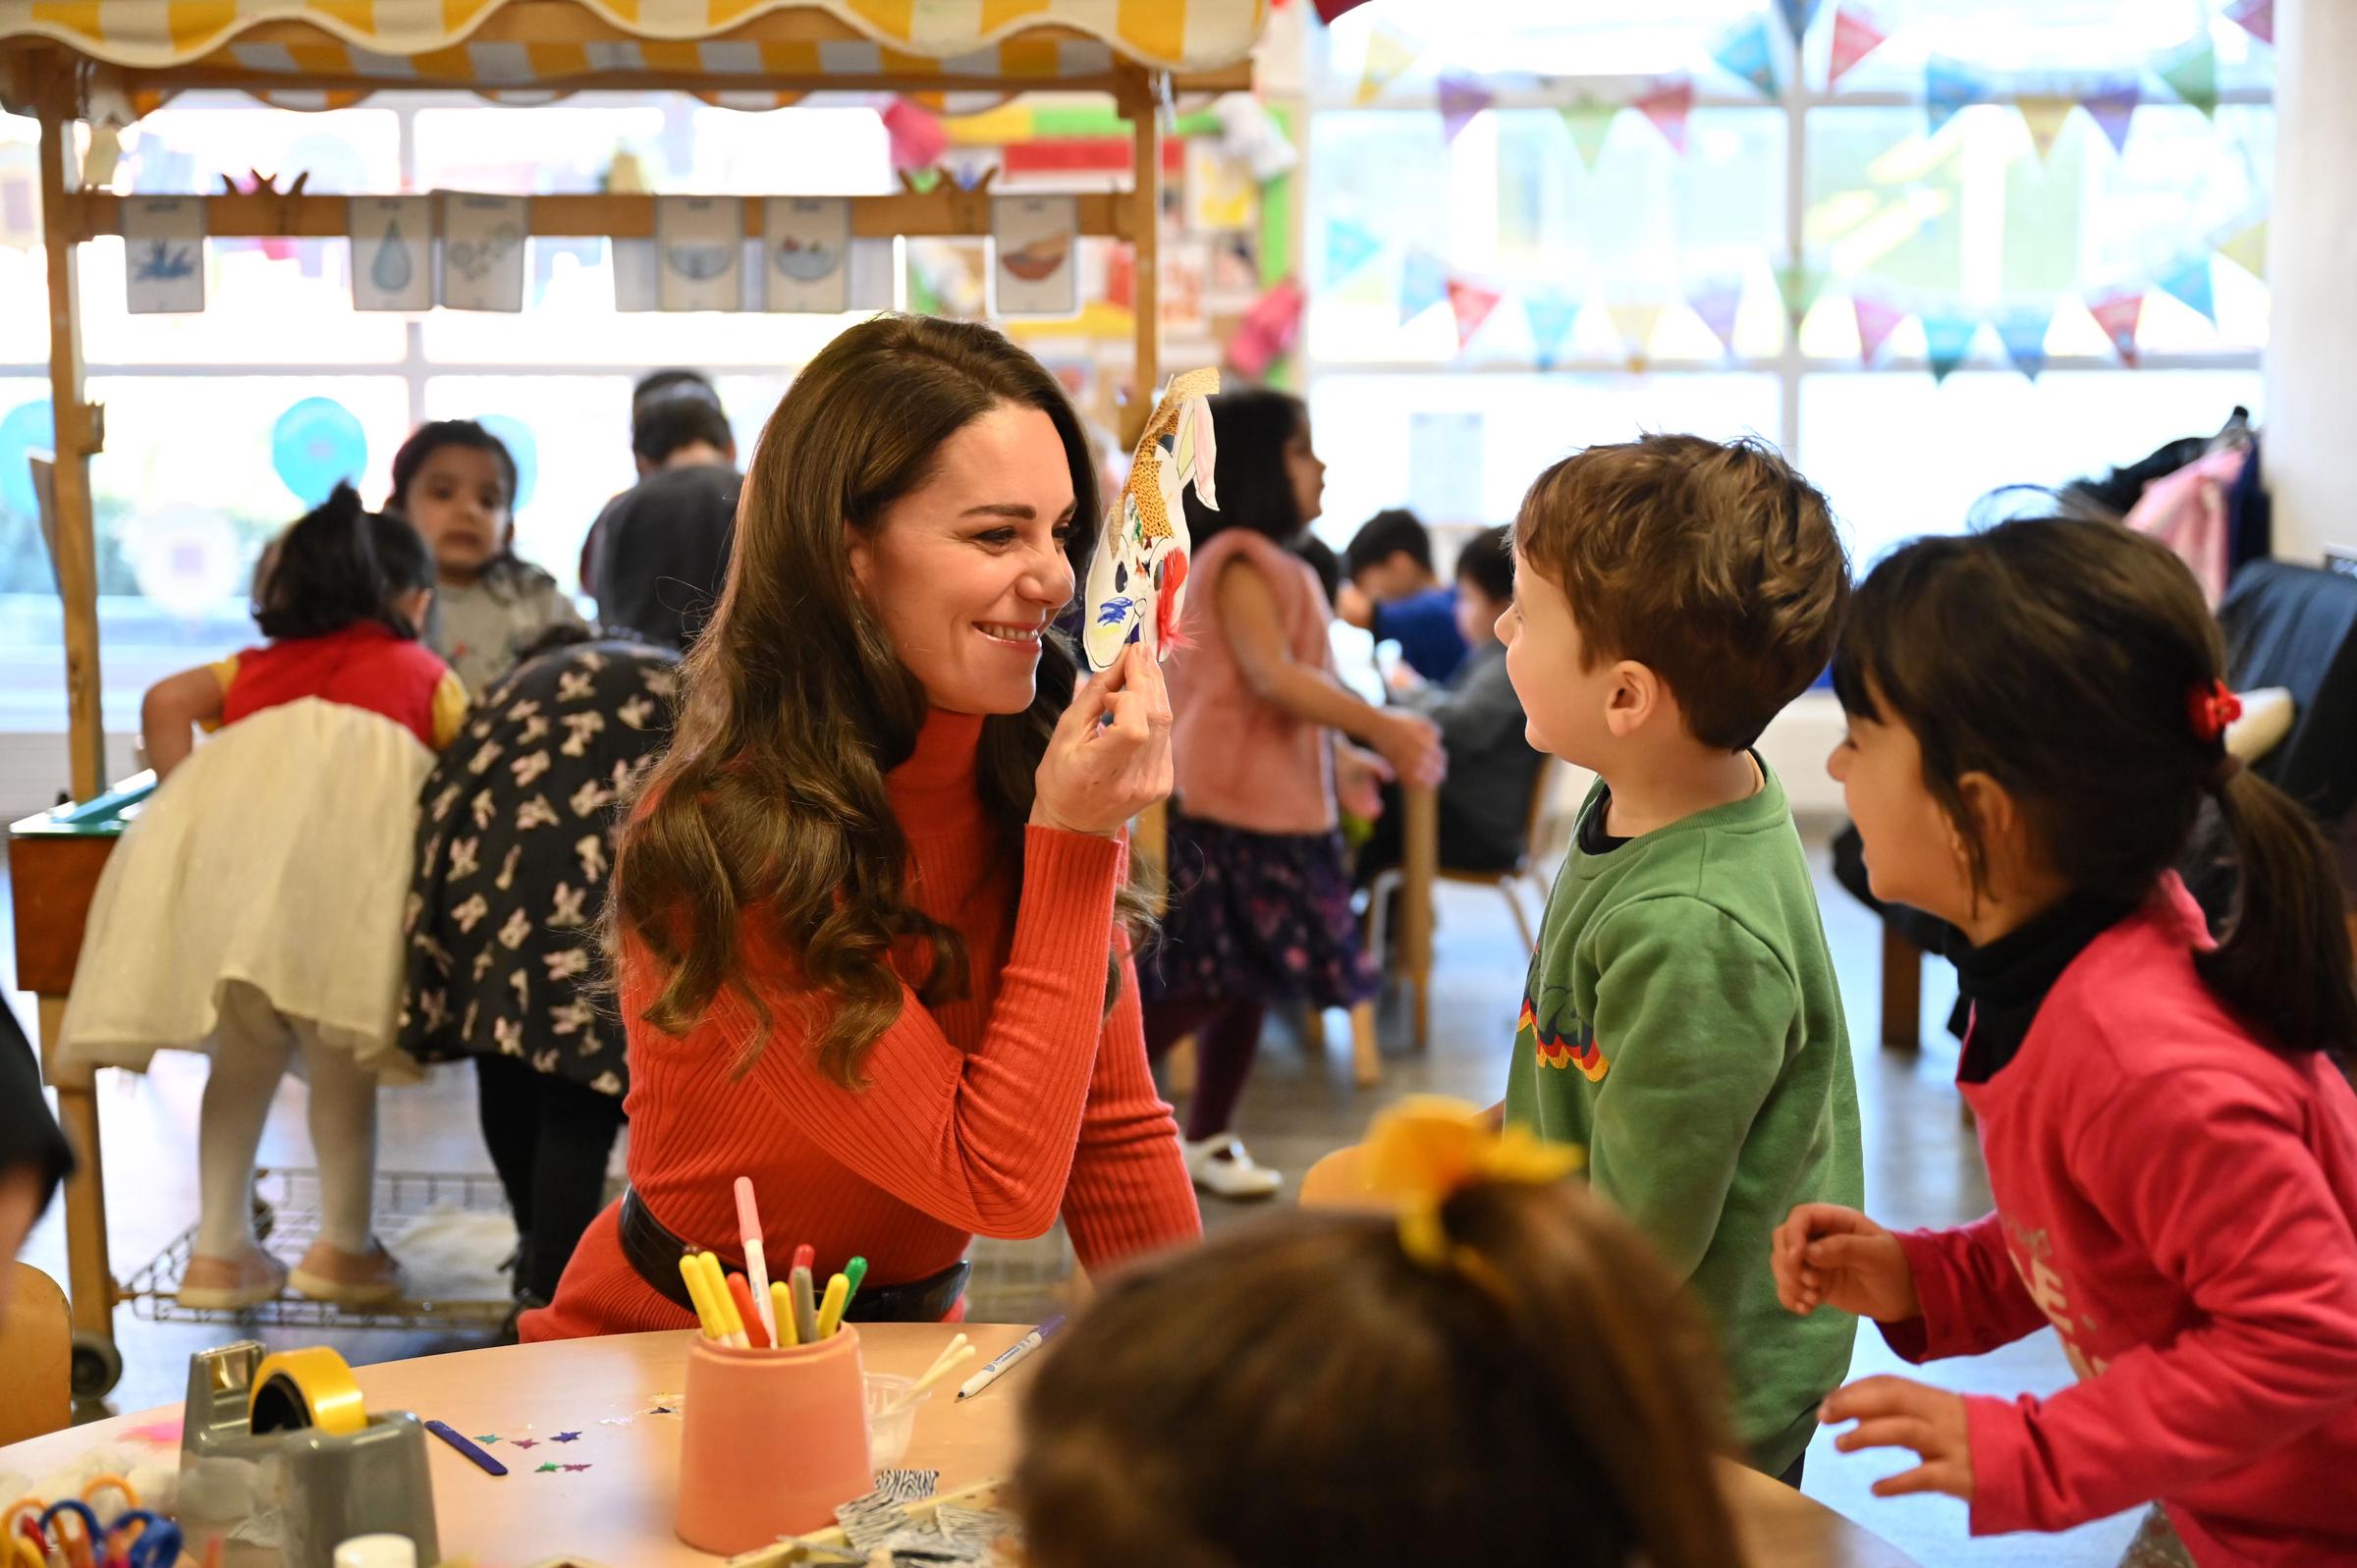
[1007, 1359]
[442, 1431]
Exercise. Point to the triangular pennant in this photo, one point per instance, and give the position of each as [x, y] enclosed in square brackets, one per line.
[1423, 284]
[2248, 249]
[915, 133]
[1748, 52]
[2192, 74]
[2189, 281]
[1717, 303]
[2115, 110]
[1799, 284]
[2022, 330]
[1348, 248]
[1856, 35]
[2045, 117]
[1636, 323]
[1461, 99]
[1551, 316]
[2118, 316]
[1947, 340]
[1949, 86]
[2256, 18]
[1876, 320]
[1472, 305]
[1797, 15]
[1668, 107]
[1589, 122]
[1387, 56]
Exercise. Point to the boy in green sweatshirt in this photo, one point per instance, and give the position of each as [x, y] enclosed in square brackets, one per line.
[1680, 1020]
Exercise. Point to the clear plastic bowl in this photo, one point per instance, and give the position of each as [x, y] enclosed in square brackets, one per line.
[888, 1435]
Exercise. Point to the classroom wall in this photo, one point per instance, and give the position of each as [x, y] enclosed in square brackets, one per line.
[2311, 359]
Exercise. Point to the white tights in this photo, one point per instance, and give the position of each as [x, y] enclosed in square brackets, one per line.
[252, 1052]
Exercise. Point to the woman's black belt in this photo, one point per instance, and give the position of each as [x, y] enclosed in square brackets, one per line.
[654, 1254]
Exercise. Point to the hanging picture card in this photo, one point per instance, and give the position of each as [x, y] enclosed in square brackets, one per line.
[637, 267]
[875, 274]
[1034, 271]
[701, 240]
[805, 250]
[482, 250]
[392, 252]
[163, 254]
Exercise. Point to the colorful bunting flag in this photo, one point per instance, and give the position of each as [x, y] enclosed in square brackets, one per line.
[1876, 320]
[1668, 107]
[1636, 323]
[1551, 316]
[1799, 284]
[1388, 55]
[2248, 249]
[1472, 305]
[1856, 34]
[1589, 122]
[2022, 330]
[2256, 18]
[1423, 284]
[1461, 99]
[2192, 74]
[916, 136]
[1949, 86]
[1947, 340]
[2189, 281]
[1748, 52]
[2114, 110]
[2117, 314]
[1268, 330]
[1717, 302]
[1797, 15]
[2045, 117]
[1348, 248]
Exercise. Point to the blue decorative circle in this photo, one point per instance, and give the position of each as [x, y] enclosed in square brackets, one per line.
[518, 437]
[316, 444]
[26, 428]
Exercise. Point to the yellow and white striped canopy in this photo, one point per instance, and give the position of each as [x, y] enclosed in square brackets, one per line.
[336, 49]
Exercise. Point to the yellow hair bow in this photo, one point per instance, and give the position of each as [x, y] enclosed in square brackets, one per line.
[1427, 1148]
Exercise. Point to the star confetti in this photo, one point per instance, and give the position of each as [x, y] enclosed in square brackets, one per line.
[524, 1442]
[577, 1466]
[545, 1468]
[566, 1437]
[618, 1421]
[486, 1439]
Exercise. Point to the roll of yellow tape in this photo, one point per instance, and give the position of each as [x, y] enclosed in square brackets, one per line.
[306, 1388]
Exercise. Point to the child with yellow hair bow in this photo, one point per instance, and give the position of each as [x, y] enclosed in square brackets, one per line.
[1472, 1362]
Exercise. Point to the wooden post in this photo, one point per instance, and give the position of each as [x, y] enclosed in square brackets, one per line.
[1420, 866]
[1137, 101]
[1903, 990]
[90, 1274]
[79, 435]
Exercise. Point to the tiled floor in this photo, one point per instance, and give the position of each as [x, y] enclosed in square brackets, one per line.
[1923, 1169]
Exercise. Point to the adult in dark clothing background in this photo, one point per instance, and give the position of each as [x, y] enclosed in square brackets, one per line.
[661, 548]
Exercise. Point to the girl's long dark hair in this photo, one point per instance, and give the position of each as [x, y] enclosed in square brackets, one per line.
[1251, 426]
[2058, 655]
[505, 573]
[338, 565]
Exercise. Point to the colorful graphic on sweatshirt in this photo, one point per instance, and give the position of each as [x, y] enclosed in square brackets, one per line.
[1577, 1049]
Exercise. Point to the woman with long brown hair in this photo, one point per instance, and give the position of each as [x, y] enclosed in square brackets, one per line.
[870, 918]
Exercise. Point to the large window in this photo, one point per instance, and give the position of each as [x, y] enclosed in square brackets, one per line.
[1960, 194]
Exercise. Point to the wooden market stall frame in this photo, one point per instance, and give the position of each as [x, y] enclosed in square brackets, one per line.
[52, 77]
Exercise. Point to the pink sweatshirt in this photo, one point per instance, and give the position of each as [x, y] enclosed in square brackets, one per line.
[2180, 1203]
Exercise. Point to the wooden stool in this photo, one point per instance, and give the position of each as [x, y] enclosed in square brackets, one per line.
[36, 1357]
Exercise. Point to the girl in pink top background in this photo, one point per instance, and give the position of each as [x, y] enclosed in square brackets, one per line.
[1259, 912]
[2037, 721]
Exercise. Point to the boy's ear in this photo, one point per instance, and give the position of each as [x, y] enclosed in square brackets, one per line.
[1635, 698]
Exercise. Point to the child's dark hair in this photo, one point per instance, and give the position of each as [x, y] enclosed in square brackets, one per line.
[339, 564]
[507, 574]
[1322, 561]
[1298, 1390]
[656, 390]
[1487, 562]
[2061, 657]
[1715, 563]
[1388, 533]
[675, 423]
[1251, 427]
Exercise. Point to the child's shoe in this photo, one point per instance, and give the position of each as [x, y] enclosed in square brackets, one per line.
[348, 1278]
[1222, 1169]
[231, 1284]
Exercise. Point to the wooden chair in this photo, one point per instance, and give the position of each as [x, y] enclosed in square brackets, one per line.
[36, 1357]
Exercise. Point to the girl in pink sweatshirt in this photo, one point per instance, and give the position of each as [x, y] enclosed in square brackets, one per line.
[2036, 722]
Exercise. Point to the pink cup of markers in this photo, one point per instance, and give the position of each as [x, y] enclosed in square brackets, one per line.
[774, 1440]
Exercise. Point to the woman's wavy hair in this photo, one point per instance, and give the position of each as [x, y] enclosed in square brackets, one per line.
[768, 820]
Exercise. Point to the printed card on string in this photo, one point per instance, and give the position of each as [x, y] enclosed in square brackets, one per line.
[701, 240]
[392, 252]
[163, 254]
[875, 274]
[1221, 193]
[637, 271]
[1034, 271]
[1137, 583]
[482, 250]
[807, 253]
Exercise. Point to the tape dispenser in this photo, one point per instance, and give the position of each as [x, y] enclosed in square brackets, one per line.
[280, 1459]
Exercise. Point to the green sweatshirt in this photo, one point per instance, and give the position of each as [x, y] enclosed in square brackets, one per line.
[1681, 1024]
